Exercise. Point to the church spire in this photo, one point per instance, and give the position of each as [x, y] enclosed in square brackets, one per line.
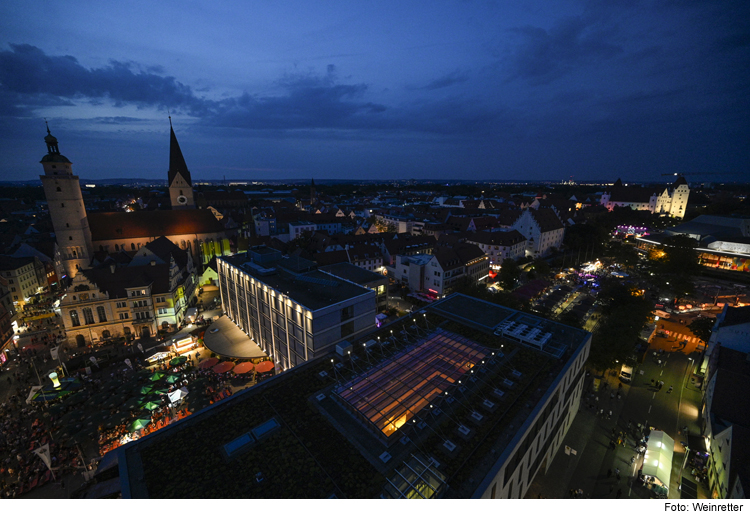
[177, 163]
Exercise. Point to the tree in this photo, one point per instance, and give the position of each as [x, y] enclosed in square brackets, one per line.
[702, 328]
[680, 287]
[623, 254]
[680, 256]
[540, 267]
[509, 273]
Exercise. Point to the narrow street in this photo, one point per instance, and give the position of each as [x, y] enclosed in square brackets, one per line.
[640, 402]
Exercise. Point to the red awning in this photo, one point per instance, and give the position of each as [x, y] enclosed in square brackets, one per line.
[223, 367]
[264, 366]
[208, 363]
[243, 367]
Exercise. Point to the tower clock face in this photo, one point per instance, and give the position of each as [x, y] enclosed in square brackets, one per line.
[182, 200]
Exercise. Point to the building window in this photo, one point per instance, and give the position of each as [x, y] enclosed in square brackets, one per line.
[74, 318]
[88, 316]
[102, 315]
[124, 316]
[62, 205]
[132, 247]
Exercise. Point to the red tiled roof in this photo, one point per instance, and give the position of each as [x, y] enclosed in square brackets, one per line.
[152, 224]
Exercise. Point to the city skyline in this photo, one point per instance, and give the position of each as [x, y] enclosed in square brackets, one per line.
[466, 90]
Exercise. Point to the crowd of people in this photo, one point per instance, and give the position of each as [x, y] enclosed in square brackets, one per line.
[23, 429]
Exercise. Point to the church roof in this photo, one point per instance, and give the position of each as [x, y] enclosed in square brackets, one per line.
[152, 224]
[176, 160]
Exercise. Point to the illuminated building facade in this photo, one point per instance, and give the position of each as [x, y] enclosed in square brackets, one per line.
[292, 310]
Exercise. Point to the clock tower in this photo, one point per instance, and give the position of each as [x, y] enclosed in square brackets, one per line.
[180, 184]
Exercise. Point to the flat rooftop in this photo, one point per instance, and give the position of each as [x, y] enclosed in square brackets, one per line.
[313, 289]
[492, 317]
[353, 273]
[458, 384]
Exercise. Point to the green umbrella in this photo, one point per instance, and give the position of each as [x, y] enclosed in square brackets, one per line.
[138, 424]
[157, 375]
[151, 405]
[161, 390]
[171, 379]
[177, 361]
[143, 373]
[146, 388]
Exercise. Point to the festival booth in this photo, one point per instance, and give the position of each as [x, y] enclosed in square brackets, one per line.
[657, 462]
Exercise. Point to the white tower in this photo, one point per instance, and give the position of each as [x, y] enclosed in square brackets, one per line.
[680, 195]
[67, 211]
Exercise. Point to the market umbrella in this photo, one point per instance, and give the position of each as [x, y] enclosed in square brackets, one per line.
[243, 367]
[177, 361]
[223, 367]
[146, 388]
[171, 379]
[208, 363]
[162, 390]
[264, 366]
[151, 405]
[138, 424]
[157, 375]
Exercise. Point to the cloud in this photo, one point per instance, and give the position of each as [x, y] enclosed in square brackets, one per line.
[545, 55]
[31, 80]
[28, 74]
[450, 79]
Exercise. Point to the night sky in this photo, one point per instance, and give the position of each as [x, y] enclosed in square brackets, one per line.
[379, 90]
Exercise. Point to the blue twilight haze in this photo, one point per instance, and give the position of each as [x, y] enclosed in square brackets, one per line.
[379, 90]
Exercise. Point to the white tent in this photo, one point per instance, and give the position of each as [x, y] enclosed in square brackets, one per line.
[177, 394]
[657, 461]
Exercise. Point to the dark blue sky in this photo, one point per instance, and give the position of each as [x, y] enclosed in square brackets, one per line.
[379, 90]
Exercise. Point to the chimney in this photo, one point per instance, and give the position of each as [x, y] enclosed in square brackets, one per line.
[112, 268]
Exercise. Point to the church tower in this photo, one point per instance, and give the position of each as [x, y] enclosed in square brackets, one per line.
[180, 184]
[66, 209]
